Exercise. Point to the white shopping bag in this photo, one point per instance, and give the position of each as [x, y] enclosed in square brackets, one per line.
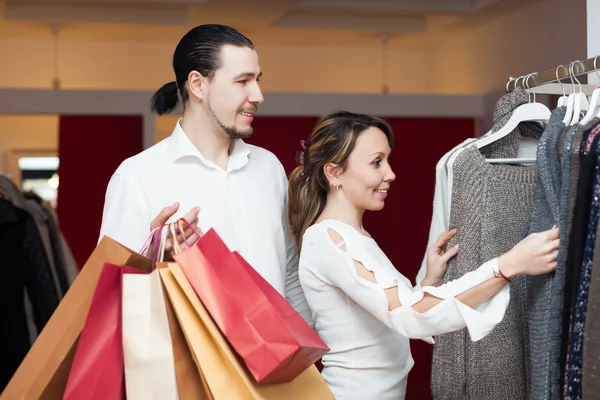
[147, 347]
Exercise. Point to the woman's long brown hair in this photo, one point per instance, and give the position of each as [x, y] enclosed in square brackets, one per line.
[331, 141]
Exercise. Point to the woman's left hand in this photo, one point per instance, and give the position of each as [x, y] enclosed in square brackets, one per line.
[437, 259]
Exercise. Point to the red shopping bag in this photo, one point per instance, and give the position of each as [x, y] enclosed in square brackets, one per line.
[97, 370]
[273, 340]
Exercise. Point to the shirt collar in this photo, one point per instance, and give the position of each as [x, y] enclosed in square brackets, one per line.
[180, 146]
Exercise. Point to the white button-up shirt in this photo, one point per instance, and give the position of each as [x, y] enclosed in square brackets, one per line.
[245, 204]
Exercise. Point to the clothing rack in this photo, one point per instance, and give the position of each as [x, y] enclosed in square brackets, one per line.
[558, 80]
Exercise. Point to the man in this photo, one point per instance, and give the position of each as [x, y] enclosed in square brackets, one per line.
[205, 164]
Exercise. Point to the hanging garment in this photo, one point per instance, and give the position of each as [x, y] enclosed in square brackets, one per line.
[590, 379]
[575, 253]
[14, 195]
[545, 292]
[591, 138]
[577, 147]
[491, 206]
[441, 214]
[29, 293]
[61, 248]
[575, 354]
[546, 199]
[40, 210]
[556, 301]
[578, 216]
[39, 216]
[26, 266]
[450, 177]
[14, 334]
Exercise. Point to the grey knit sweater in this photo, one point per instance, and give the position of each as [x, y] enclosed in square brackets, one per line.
[494, 203]
[491, 206]
[546, 213]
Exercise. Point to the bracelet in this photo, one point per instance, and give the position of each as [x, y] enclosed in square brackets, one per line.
[499, 274]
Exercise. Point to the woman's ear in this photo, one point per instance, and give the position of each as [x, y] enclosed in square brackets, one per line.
[332, 173]
[195, 85]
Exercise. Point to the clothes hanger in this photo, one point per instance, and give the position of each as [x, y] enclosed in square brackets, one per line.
[562, 100]
[580, 100]
[527, 150]
[532, 111]
[594, 108]
[570, 100]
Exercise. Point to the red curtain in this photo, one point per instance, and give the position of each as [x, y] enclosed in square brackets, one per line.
[90, 150]
[402, 227]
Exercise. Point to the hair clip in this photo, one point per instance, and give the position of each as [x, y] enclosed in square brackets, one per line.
[302, 156]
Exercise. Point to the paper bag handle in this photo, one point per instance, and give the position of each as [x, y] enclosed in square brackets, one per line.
[196, 230]
[162, 245]
[148, 242]
[174, 237]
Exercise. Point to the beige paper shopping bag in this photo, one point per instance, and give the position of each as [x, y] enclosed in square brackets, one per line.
[147, 347]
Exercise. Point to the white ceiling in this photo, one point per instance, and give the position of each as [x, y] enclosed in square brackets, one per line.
[407, 23]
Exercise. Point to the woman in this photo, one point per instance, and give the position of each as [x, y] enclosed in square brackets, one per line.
[363, 308]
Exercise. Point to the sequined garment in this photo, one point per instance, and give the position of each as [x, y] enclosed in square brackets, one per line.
[575, 362]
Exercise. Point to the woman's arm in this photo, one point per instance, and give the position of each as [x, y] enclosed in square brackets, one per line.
[537, 250]
[436, 310]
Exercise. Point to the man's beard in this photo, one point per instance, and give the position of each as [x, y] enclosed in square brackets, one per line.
[231, 131]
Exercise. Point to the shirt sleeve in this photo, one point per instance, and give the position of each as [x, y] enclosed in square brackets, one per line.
[338, 268]
[125, 217]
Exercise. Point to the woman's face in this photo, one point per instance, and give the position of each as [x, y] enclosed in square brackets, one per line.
[368, 174]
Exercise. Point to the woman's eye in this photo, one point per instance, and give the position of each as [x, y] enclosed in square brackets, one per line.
[377, 163]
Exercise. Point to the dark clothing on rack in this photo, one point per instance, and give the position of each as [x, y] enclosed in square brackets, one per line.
[48, 232]
[575, 251]
[26, 267]
[581, 176]
[575, 357]
[33, 282]
[591, 341]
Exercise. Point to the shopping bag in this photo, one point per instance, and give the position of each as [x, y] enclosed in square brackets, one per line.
[191, 384]
[225, 373]
[97, 370]
[190, 381]
[147, 346]
[274, 341]
[310, 346]
[44, 372]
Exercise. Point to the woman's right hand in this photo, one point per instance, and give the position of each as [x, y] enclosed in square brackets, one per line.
[534, 255]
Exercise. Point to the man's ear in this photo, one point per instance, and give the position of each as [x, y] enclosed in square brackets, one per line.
[196, 85]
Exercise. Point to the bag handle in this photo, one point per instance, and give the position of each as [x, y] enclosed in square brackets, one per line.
[162, 245]
[196, 230]
[179, 224]
[174, 237]
[148, 242]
